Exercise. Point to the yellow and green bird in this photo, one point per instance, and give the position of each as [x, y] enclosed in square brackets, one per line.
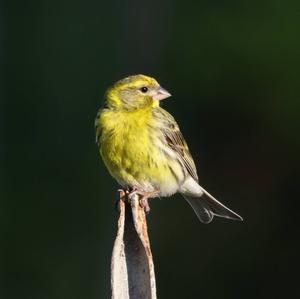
[144, 150]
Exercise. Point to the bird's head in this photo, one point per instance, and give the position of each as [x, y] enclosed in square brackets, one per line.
[135, 92]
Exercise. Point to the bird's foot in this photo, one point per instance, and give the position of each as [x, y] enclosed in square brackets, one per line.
[144, 196]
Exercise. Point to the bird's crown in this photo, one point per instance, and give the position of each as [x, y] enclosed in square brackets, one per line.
[135, 92]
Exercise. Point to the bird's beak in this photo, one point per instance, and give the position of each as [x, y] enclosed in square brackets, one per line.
[161, 94]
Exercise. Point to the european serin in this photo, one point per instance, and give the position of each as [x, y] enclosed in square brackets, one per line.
[144, 150]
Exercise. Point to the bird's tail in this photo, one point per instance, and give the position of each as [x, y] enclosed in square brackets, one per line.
[206, 207]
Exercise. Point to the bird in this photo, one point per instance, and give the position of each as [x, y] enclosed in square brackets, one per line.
[144, 150]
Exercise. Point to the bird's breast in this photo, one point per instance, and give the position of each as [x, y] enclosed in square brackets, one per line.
[130, 149]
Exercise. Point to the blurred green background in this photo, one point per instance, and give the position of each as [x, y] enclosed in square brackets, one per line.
[233, 68]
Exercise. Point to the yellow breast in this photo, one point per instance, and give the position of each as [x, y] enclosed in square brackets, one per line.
[128, 148]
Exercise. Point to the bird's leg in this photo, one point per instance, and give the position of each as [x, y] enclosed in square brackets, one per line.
[144, 196]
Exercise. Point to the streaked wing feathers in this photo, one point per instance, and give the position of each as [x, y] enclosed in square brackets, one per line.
[176, 142]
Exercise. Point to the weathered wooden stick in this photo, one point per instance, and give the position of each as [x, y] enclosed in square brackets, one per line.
[132, 268]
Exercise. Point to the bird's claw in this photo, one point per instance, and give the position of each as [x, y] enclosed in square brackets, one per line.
[143, 198]
[127, 194]
[144, 204]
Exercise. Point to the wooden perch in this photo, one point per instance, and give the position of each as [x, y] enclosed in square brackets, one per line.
[132, 268]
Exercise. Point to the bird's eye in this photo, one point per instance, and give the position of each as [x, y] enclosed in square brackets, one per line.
[144, 89]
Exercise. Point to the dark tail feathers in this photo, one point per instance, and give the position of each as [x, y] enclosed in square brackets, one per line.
[206, 207]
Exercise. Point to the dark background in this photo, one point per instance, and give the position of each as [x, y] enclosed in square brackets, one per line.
[233, 68]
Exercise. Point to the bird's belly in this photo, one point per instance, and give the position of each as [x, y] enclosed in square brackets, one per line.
[134, 160]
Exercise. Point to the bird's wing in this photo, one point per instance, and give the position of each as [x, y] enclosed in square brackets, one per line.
[203, 203]
[176, 142]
